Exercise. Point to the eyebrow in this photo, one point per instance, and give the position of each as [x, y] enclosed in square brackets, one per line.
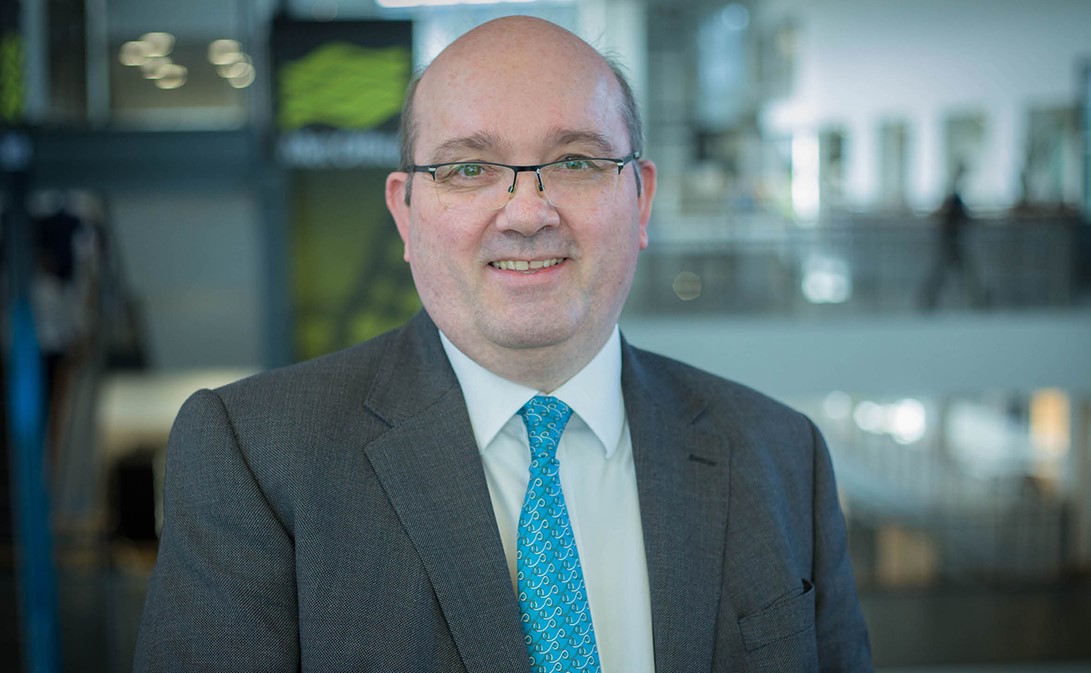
[482, 141]
[485, 141]
[598, 141]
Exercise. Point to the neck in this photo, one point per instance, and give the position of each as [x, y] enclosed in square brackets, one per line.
[544, 368]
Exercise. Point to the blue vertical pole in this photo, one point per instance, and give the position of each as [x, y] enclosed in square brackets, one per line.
[34, 544]
[27, 410]
[35, 573]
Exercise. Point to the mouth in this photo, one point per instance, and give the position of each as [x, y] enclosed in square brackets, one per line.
[524, 265]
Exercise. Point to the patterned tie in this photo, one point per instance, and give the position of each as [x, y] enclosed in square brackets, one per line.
[552, 597]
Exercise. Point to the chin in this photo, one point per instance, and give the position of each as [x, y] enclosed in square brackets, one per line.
[527, 340]
[534, 332]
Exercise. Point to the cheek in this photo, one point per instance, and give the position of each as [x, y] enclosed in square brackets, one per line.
[625, 236]
[440, 252]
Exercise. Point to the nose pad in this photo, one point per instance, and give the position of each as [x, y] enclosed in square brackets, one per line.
[536, 188]
[515, 183]
[530, 212]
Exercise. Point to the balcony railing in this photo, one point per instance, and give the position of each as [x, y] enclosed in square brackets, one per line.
[858, 266]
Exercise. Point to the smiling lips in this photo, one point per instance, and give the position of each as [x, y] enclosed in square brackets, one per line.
[524, 265]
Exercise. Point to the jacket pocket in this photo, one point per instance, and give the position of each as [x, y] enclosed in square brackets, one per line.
[785, 617]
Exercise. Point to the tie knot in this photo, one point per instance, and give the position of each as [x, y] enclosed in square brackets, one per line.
[545, 418]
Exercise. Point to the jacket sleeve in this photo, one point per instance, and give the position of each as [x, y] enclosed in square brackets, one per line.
[840, 630]
[222, 596]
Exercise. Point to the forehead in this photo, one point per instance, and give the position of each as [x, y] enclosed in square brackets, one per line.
[519, 104]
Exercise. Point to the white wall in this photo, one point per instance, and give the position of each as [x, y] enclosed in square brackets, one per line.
[860, 62]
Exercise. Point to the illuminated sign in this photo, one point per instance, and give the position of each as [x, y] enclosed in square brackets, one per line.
[339, 91]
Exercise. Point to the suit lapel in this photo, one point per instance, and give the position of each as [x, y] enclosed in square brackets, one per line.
[430, 468]
[682, 480]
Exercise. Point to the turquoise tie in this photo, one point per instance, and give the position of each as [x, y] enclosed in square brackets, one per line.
[556, 618]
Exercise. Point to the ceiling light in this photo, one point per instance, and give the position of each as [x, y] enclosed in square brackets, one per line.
[151, 67]
[237, 71]
[160, 44]
[907, 421]
[171, 76]
[236, 68]
[244, 80]
[838, 405]
[224, 52]
[134, 52]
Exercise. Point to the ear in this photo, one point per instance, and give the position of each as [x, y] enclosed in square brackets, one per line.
[399, 209]
[647, 194]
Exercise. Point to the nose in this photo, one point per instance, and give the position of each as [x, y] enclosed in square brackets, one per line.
[527, 210]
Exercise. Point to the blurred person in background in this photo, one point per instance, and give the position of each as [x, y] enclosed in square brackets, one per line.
[504, 483]
[64, 295]
[951, 258]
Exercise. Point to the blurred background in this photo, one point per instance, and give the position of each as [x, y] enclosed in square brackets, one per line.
[875, 210]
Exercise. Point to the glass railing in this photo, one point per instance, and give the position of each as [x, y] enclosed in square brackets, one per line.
[858, 265]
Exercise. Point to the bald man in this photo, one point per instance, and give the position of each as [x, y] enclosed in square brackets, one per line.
[504, 484]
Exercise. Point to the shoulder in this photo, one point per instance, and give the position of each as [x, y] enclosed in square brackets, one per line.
[664, 376]
[340, 373]
[343, 378]
[325, 401]
[758, 431]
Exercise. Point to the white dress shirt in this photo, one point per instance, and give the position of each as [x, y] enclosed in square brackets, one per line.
[599, 484]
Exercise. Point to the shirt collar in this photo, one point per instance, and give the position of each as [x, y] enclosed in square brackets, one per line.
[594, 394]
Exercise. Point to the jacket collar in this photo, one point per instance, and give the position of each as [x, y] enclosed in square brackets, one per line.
[443, 501]
[430, 468]
[682, 475]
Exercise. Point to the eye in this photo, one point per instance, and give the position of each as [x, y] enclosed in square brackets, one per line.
[582, 167]
[467, 170]
[463, 173]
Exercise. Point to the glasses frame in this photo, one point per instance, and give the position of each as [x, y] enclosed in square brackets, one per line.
[530, 168]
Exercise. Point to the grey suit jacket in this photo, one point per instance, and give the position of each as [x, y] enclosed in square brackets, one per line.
[334, 516]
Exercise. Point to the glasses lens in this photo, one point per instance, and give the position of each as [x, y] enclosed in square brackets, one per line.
[571, 184]
[473, 186]
[579, 183]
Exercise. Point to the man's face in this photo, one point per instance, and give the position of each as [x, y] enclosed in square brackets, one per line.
[525, 108]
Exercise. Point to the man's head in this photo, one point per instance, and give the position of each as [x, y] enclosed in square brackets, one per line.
[523, 91]
[633, 120]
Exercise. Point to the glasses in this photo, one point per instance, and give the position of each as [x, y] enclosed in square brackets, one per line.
[573, 183]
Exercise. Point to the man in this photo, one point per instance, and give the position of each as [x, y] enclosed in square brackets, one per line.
[399, 506]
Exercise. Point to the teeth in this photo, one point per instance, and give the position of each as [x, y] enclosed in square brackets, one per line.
[523, 265]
